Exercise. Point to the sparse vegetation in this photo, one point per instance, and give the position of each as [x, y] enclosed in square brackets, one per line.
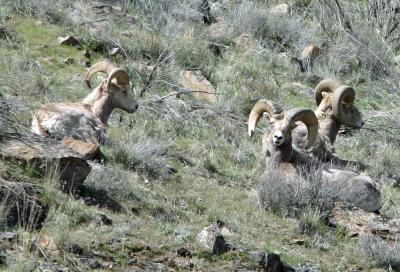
[179, 164]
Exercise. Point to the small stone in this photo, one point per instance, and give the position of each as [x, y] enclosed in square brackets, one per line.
[257, 257]
[114, 51]
[94, 264]
[8, 236]
[88, 151]
[273, 263]
[299, 242]
[220, 246]
[105, 219]
[68, 61]
[195, 83]
[280, 9]
[68, 40]
[183, 252]
[74, 249]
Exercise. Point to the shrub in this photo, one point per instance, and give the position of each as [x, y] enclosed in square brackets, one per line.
[380, 253]
[290, 195]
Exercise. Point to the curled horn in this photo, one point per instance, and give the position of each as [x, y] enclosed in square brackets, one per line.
[259, 108]
[120, 75]
[343, 94]
[103, 66]
[327, 85]
[308, 117]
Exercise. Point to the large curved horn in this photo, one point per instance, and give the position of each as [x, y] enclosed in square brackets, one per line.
[120, 75]
[327, 85]
[103, 66]
[308, 117]
[257, 111]
[343, 94]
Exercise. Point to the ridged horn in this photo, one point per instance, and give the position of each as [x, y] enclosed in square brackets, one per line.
[120, 75]
[257, 111]
[343, 94]
[103, 66]
[327, 85]
[308, 117]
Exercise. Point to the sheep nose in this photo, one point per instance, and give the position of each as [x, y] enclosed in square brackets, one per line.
[362, 123]
[137, 106]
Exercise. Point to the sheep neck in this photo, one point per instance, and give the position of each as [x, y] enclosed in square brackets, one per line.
[329, 128]
[282, 153]
[100, 104]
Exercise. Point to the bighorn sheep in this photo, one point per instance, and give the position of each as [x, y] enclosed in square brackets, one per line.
[277, 143]
[335, 108]
[86, 120]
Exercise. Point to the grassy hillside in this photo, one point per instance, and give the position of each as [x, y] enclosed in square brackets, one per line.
[179, 164]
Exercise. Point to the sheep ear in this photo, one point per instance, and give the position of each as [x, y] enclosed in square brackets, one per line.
[266, 115]
[324, 94]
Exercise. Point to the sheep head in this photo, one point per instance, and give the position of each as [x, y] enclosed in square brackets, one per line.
[117, 86]
[282, 122]
[332, 94]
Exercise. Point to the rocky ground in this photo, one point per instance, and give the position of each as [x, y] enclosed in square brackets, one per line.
[177, 186]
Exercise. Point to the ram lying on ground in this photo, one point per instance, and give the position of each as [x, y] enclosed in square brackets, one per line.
[348, 186]
[87, 120]
[335, 108]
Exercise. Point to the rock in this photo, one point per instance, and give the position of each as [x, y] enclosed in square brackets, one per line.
[273, 263]
[310, 52]
[206, 237]
[115, 51]
[357, 222]
[257, 258]
[210, 238]
[68, 40]
[47, 155]
[86, 150]
[183, 252]
[22, 205]
[9, 237]
[244, 40]
[74, 249]
[270, 262]
[105, 219]
[47, 243]
[68, 61]
[94, 264]
[358, 190]
[218, 29]
[51, 267]
[142, 68]
[195, 82]
[220, 246]
[281, 9]
[308, 56]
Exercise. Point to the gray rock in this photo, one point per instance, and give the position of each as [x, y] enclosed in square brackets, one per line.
[47, 156]
[273, 263]
[220, 246]
[9, 237]
[358, 190]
